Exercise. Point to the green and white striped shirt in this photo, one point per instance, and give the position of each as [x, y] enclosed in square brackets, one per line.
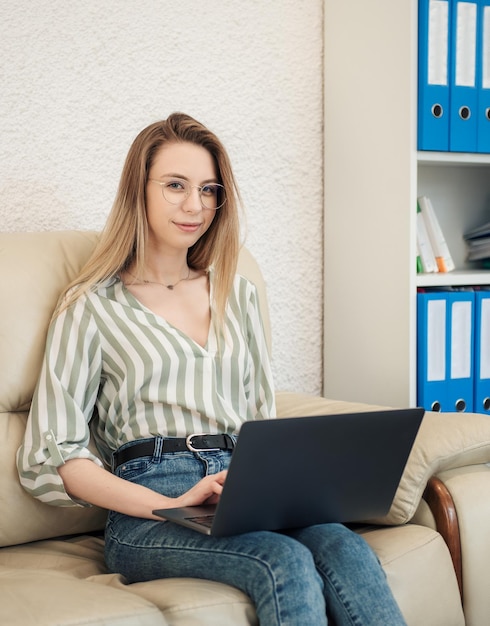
[112, 362]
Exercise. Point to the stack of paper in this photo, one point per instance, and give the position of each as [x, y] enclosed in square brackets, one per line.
[478, 242]
[431, 245]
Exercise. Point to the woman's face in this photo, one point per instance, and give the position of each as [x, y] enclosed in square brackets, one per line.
[179, 226]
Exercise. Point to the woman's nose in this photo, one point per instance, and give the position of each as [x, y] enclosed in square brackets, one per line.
[192, 203]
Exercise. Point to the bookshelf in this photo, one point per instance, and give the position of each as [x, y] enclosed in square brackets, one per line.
[373, 175]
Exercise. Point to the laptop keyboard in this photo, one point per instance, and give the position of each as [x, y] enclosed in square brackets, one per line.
[204, 520]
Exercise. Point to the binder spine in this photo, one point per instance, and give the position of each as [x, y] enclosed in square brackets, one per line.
[483, 73]
[440, 248]
[433, 75]
[445, 350]
[463, 91]
[482, 352]
[431, 350]
[427, 257]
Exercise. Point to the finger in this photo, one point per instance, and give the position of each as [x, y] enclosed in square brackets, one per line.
[220, 476]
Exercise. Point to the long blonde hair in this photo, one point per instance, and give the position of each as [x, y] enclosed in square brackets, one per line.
[124, 238]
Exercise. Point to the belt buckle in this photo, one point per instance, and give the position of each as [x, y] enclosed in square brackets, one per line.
[188, 443]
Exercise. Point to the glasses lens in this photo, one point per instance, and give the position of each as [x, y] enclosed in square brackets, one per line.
[212, 196]
[175, 191]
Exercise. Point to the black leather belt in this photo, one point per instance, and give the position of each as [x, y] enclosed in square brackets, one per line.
[194, 443]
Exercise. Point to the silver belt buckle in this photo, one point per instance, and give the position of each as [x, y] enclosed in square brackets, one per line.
[188, 443]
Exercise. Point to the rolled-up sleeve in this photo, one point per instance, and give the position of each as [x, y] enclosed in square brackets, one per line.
[58, 424]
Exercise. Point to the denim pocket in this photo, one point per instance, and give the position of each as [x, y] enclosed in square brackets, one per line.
[135, 468]
[170, 475]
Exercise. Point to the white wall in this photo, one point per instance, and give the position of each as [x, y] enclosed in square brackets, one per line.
[79, 80]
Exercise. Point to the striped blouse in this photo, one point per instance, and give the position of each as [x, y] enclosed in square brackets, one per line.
[112, 362]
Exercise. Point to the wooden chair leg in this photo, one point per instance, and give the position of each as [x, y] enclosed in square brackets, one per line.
[442, 506]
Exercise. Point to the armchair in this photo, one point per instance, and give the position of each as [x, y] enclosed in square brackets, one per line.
[51, 560]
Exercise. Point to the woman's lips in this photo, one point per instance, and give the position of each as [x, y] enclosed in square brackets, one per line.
[188, 227]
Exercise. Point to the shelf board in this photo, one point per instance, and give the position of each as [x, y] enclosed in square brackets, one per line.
[452, 158]
[456, 278]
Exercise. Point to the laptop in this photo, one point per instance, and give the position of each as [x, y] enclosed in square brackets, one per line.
[294, 472]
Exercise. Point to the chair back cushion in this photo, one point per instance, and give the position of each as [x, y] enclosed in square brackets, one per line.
[34, 269]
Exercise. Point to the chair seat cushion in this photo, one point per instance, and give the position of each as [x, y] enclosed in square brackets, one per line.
[419, 570]
[62, 573]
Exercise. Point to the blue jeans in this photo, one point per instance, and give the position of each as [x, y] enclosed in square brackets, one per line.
[293, 578]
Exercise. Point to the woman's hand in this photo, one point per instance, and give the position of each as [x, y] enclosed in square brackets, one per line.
[206, 491]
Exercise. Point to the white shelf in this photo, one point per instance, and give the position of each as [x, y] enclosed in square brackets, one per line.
[452, 158]
[373, 176]
[457, 278]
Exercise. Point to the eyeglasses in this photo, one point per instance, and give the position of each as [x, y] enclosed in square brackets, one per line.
[176, 191]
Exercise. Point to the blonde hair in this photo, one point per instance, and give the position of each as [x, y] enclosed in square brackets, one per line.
[124, 238]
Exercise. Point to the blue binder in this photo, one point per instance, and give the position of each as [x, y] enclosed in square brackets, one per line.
[463, 87]
[482, 352]
[433, 75]
[483, 77]
[445, 344]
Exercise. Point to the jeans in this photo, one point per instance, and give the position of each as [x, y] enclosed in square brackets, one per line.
[293, 578]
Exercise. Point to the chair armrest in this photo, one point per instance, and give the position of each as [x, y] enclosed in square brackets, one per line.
[445, 442]
[443, 509]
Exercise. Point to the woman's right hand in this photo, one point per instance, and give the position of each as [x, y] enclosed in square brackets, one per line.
[207, 491]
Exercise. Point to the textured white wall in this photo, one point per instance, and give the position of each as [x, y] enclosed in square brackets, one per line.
[79, 80]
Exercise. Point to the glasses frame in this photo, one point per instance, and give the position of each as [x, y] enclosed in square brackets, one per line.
[190, 187]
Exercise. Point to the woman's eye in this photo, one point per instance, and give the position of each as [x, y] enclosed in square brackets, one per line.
[209, 190]
[175, 185]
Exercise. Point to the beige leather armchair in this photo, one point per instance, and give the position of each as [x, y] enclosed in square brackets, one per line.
[52, 569]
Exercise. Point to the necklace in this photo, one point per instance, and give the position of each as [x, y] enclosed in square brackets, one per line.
[154, 282]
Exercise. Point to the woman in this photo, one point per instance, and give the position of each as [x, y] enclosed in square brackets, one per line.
[158, 339]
